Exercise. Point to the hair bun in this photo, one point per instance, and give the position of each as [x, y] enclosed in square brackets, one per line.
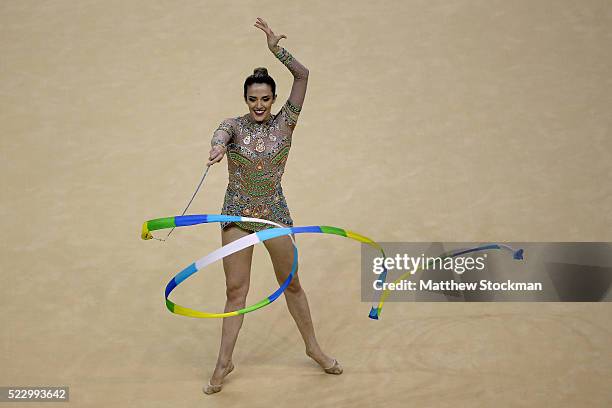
[260, 72]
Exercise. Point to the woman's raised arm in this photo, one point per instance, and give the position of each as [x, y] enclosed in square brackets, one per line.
[299, 71]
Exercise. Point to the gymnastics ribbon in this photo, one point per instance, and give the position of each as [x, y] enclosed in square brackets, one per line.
[261, 236]
[237, 245]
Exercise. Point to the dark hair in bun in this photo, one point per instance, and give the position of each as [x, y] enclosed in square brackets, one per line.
[261, 71]
[260, 76]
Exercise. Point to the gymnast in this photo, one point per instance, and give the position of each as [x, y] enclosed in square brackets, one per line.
[257, 146]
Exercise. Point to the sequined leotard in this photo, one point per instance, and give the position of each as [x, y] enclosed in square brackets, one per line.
[256, 156]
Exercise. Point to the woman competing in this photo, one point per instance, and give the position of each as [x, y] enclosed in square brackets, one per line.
[257, 145]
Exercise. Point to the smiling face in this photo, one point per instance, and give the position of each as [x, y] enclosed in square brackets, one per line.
[259, 99]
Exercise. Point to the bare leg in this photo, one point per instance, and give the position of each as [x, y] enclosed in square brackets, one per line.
[237, 278]
[281, 253]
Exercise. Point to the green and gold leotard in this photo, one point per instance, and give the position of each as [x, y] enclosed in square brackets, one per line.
[256, 157]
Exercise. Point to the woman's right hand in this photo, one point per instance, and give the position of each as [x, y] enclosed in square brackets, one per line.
[216, 154]
[272, 38]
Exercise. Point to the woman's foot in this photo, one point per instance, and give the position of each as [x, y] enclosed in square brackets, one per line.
[336, 368]
[217, 378]
[328, 364]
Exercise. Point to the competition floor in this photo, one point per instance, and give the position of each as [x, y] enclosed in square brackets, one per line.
[424, 121]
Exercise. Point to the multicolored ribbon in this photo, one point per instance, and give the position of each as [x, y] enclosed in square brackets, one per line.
[239, 244]
[261, 236]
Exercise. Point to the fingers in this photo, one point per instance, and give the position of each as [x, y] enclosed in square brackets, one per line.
[264, 29]
[215, 156]
[262, 25]
[212, 161]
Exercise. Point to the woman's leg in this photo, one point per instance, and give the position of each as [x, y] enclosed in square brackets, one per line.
[237, 268]
[281, 253]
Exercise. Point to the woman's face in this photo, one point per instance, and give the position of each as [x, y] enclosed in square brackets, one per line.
[259, 98]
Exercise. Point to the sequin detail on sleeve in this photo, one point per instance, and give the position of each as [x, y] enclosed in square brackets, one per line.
[291, 112]
[221, 138]
[284, 56]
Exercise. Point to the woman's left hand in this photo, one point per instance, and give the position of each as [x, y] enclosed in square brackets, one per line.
[273, 39]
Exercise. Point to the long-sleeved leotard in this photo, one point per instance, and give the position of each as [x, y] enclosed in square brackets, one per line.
[256, 156]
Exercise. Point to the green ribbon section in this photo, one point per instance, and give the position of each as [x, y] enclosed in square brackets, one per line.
[255, 306]
[160, 223]
[333, 230]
